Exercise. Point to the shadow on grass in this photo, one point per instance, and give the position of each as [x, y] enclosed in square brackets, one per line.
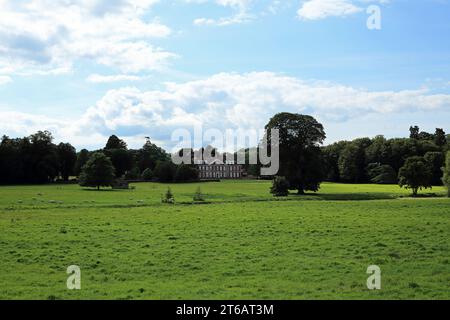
[102, 190]
[424, 196]
[348, 196]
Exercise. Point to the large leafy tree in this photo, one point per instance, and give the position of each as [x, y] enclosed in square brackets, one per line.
[115, 143]
[82, 158]
[446, 177]
[97, 172]
[440, 138]
[121, 159]
[149, 155]
[186, 173]
[67, 156]
[165, 171]
[416, 174]
[436, 162]
[352, 161]
[331, 154]
[300, 154]
[41, 158]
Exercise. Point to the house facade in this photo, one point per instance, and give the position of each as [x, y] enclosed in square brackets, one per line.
[217, 170]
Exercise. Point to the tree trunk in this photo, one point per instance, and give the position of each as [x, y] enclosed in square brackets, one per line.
[301, 191]
[98, 188]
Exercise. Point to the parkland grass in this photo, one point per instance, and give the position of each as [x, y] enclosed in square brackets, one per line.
[241, 244]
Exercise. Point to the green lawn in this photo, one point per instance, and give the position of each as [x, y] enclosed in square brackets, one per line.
[243, 245]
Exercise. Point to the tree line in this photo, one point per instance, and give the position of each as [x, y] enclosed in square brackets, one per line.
[36, 159]
[415, 162]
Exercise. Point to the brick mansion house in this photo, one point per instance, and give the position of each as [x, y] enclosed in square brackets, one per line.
[220, 170]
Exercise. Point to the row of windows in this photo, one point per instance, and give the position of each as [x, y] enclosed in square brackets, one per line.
[220, 175]
[220, 168]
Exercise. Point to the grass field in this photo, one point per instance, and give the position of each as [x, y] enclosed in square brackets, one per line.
[243, 244]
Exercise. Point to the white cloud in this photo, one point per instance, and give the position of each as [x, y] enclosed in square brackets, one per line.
[228, 100]
[47, 35]
[97, 78]
[320, 9]
[240, 8]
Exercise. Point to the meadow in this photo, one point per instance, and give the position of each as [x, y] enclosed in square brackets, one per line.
[241, 244]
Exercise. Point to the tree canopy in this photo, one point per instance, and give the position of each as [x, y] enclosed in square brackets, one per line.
[446, 170]
[300, 155]
[97, 172]
[415, 174]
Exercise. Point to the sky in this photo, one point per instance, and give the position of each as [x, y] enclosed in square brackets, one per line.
[86, 69]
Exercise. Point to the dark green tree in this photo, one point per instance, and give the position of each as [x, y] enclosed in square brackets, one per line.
[67, 157]
[381, 174]
[446, 170]
[352, 161]
[414, 132]
[41, 158]
[186, 173]
[121, 159]
[415, 174]
[149, 155]
[440, 138]
[97, 172]
[300, 154]
[147, 175]
[331, 154]
[165, 171]
[82, 158]
[436, 162]
[115, 143]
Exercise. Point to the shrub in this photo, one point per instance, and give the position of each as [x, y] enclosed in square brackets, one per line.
[147, 175]
[280, 187]
[198, 196]
[168, 197]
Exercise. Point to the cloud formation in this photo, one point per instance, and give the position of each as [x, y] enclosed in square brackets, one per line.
[49, 36]
[320, 9]
[240, 14]
[224, 101]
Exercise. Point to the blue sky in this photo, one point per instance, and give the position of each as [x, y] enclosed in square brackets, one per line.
[89, 68]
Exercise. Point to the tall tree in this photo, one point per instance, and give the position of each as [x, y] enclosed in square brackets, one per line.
[414, 132]
[300, 155]
[82, 158]
[440, 138]
[97, 172]
[436, 161]
[446, 170]
[415, 174]
[352, 161]
[121, 159]
[115, 143]
[41, 160]
[165, 171]
[149, 155]
[67, 156]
